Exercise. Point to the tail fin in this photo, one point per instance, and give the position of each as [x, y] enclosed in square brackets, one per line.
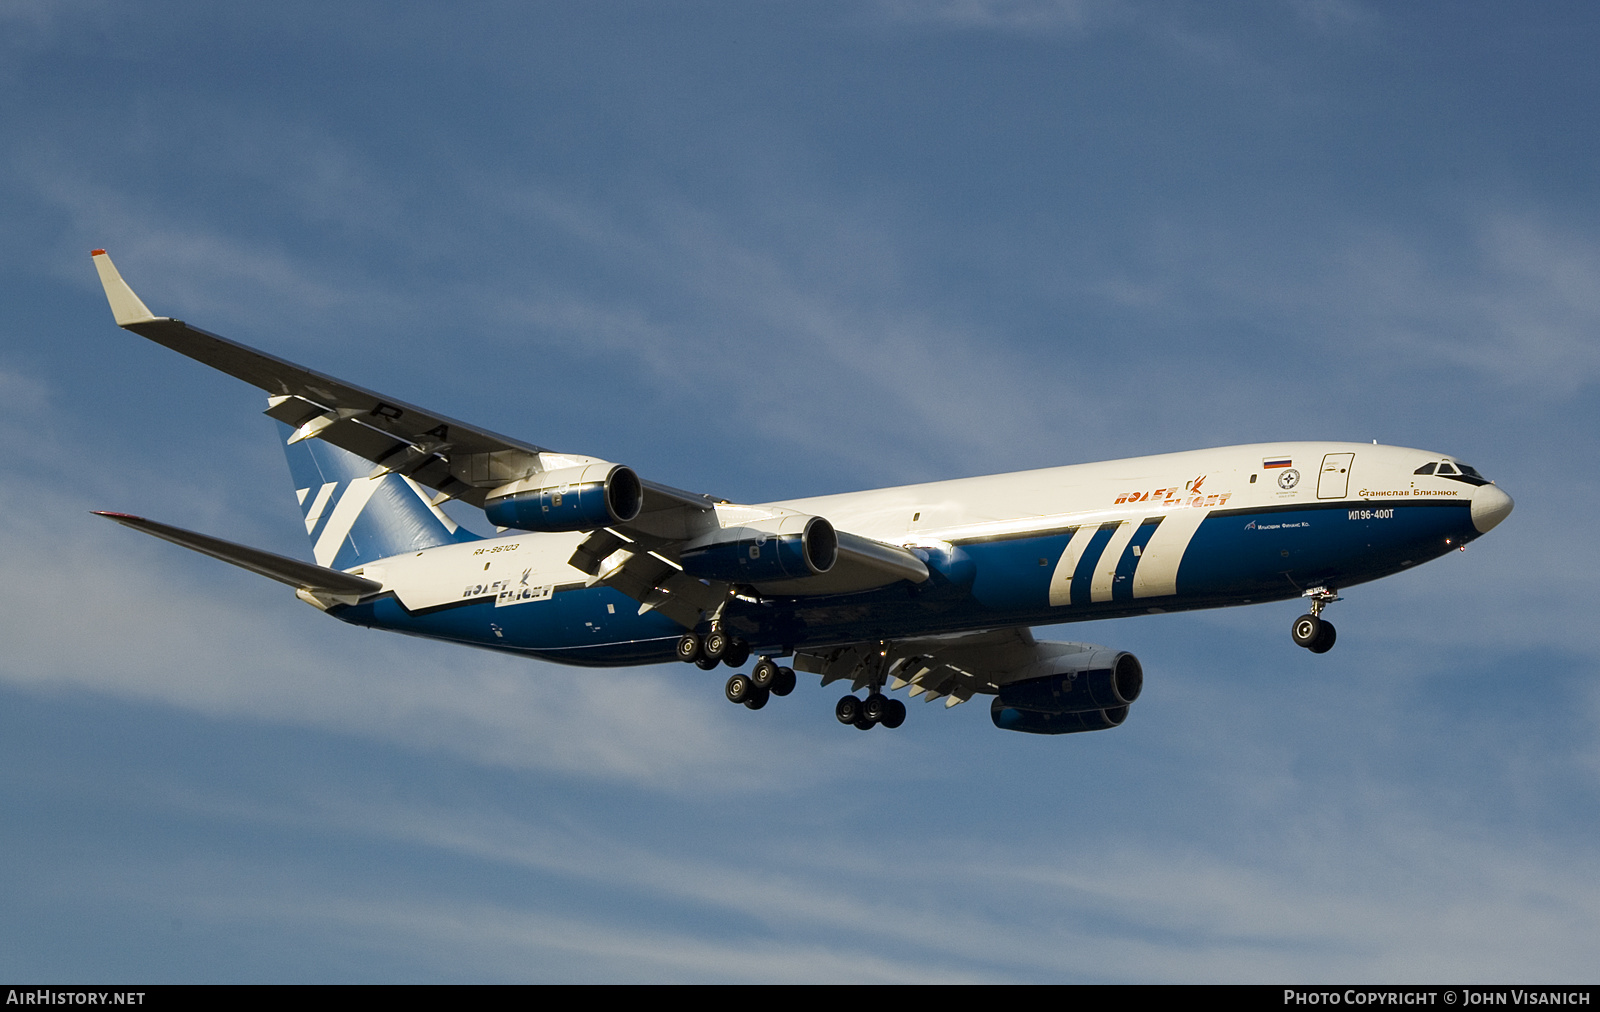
[352, 519]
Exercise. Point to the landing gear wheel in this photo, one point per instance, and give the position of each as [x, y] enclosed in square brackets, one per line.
[688, 647]
[864, 724]
[737, 653]
[739, 689]
[705, 663]
[848, 710]
[757, 698]
[784, 683]
[894, 714]
[765, 673]
[874, 707]
[715, 644]
[1305, 631]
[1325, 639]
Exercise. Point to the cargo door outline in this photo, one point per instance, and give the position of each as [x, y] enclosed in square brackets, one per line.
[1333, 481]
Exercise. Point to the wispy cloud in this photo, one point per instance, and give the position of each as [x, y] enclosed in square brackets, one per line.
[1510, 297]
[1523, 313]
[1375, 887]
[33, 24]
[181, 265]
[1335, 16]
[800, 349]
[1011, 16]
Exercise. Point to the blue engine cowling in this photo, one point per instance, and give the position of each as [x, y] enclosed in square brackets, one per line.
[1089, 691]
[1033, 722]
[749, 555]
[1098, 680]
[572, 499]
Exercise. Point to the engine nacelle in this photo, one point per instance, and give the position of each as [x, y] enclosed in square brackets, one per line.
[1090, 680]
[570, 499]
[1084, 689]
[1033, 722]
[776, 548]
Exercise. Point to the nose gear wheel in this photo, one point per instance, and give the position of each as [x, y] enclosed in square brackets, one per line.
[1315, 634]
[1312, 631]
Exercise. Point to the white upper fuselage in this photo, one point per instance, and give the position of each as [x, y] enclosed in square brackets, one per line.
[1184, 487]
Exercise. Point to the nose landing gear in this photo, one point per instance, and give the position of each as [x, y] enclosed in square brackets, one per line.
[1312, 631]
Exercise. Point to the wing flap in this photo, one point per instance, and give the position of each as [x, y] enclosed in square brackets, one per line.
[953, 668]
[657, 585]
[450, 453]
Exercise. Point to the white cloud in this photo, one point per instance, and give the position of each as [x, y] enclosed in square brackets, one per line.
[1525, 316]
[812, 352]
[461, 939]
[1509, 296]
[1012, 16]
[180, 267]
[1334, 16]
[1367, 885]
[34, 23]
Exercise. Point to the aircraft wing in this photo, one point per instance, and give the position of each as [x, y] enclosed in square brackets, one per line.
[458, 460]
[462, 461]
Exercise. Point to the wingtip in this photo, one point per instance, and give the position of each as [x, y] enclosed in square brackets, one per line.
[126, 307]
[114, 516]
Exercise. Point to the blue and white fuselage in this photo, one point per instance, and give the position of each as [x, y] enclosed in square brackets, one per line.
[1200, 529]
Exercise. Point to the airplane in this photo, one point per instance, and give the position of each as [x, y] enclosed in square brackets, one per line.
[929, 588]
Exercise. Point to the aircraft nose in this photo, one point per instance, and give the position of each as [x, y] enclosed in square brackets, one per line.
[1489, 507]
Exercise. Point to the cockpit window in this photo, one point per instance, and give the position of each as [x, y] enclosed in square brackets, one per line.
[1454, 470]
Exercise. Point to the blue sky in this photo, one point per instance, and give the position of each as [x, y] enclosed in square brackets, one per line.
[771, 250]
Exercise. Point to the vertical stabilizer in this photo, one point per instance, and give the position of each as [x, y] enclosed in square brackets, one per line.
[352, 519]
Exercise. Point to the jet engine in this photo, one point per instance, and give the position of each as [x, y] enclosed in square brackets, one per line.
[569, 499]
[1087, 690]
[775, 548]
[1034, 722]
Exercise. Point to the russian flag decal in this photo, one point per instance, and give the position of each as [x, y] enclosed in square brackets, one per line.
[1272, 462]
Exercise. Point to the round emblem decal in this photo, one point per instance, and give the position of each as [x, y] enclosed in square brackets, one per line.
[1289, 478]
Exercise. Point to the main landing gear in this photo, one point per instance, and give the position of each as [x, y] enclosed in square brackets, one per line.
[765, 680]
[867, 713]
[1312, 631]
[715, 647]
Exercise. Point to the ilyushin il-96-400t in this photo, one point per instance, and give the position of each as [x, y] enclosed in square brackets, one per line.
[931, 588]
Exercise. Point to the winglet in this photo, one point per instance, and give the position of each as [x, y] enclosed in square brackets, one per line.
[125, 305]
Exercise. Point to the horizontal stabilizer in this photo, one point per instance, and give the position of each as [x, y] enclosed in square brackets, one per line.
[297, 574]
